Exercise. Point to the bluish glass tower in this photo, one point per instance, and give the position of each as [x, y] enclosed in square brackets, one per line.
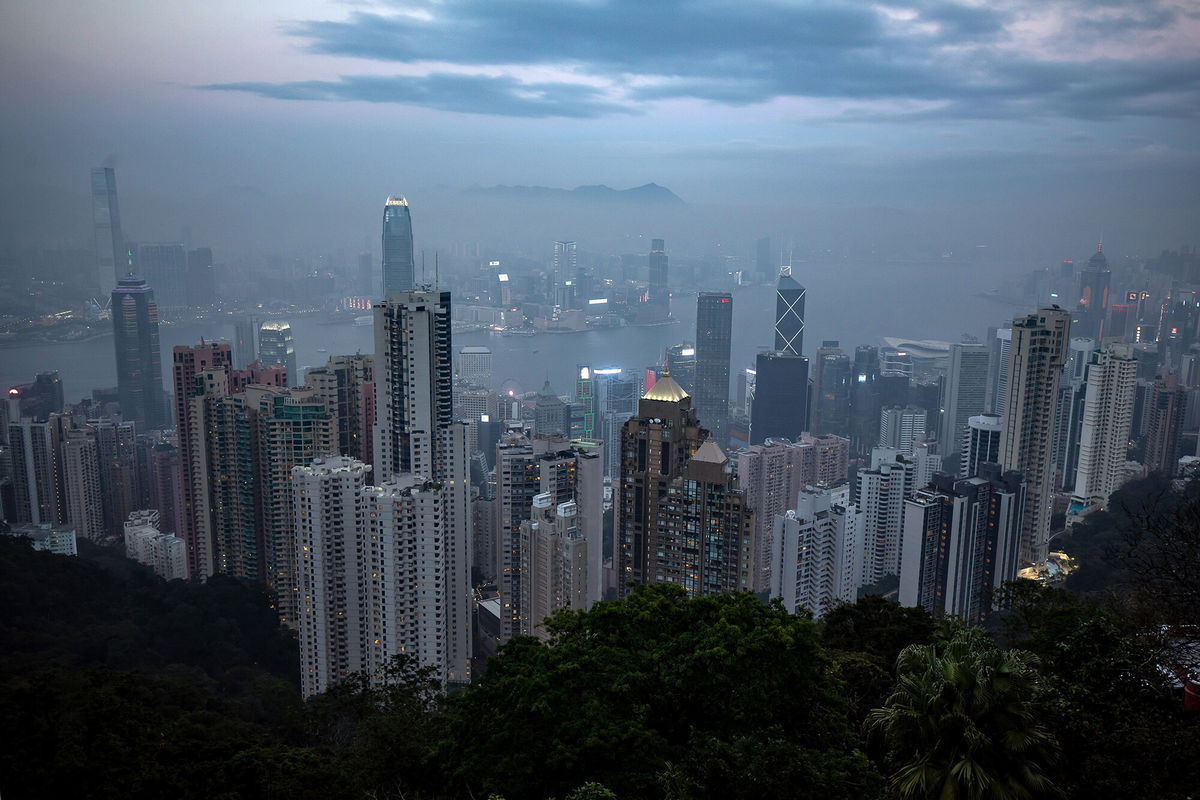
[399, 273]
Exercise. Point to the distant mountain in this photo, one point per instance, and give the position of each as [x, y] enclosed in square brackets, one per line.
[649, 194]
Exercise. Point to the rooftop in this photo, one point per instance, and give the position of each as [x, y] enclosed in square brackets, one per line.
[665, 389]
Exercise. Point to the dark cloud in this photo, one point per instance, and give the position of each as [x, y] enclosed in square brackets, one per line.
[475, 94]
[944, 52]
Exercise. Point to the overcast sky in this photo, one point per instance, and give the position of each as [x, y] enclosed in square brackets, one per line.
[1065, 117]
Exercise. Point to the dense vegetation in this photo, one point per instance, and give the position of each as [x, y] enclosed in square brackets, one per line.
[114, 683]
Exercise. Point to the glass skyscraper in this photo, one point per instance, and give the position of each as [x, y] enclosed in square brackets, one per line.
[714, 329]
[111, 261]
[139, 364]
[399, 269]
[789, 314]
[277, 349]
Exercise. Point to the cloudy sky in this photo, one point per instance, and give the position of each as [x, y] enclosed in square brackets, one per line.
[1066, 117]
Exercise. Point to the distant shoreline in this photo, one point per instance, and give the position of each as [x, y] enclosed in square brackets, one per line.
[14, 345]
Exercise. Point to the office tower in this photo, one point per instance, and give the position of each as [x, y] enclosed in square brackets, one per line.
[964, 393]
[1105, 425]
[146, 543]
[780, 408]
[681, 364]
[346, 385]
[1039, 348]
[193, 523]
[399, 266]
[880, 496]
[277, 349]
[418, 441]
[1000, 346]
[164, 266]
[895, 362]
[789, 314]
[714, 329]
[475, 366]
[111, 262]
[831, 413]
[139, 364]
[961, 543]
[681, 518]
[817, 552]
[551, 416]
[476, 406]
[980, 445]
[245, 341]
[865, 402]
[83, 502]
[763, 262]
[657, 290]
[563, 269]
[900, 427]
[617, 398]
[1094, 283]
[38, 399]
[585, 400]
[1165, 407]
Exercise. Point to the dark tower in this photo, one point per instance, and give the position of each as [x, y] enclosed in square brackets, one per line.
[780, 406]
[714, 329]
[139, 363]
[789, 314]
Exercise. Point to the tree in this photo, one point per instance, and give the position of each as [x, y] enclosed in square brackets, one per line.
[961, 724]
[717, 696]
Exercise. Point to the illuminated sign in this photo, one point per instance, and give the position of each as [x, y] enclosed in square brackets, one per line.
[584, 374]
[598, 301]
[725, 300]
[688, 351]
[502, 277]
[493, 263]
[1132, 297]
[485, 418]
[608, 371]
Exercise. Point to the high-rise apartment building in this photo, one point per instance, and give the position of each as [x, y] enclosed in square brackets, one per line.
[83, 501]
[555, 562]
[1039, 346]
[1000, 347]
[880, 496]
[981, 444]
[111, 262]
[139, 363]
[817, 552]
[346, 385]
[277, 348]
[961, 542]
[964, 393]
[714, 330]
[399, 266]
[1165, 408]
[1105, 426]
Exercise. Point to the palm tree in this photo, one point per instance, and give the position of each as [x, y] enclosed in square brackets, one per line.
[959, 724]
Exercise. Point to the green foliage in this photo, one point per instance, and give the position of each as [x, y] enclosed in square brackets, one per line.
[1122, 729]
[961, 723]
[716, 697]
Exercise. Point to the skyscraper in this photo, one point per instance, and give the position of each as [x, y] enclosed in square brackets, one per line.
[421, 451]
[658, 292]
[111, 262]
[900, 427]
[346, 385]
[399, 267]
[1094, 283]
[245, 341]
[780, 408]
[880, 495]
[789, 314]
[832, 408]
[139, 364]
[164, 265]
[1105, 426]
[551, 416]
[681, 363]
[714, 330]
[961, 542]
[1166, 405]
[817, 552]
[276, 348]
[1039, 348]
[564, 267]
[964, 393]
[475, 366]
[981, 444]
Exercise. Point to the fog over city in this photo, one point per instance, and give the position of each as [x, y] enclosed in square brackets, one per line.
[600, 399]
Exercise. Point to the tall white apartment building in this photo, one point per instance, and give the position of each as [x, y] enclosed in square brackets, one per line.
[901, 426]
[1036, 357]
[817, 552]
[554, 553]
[880, 496]
[1105, 428]
[163, 552]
